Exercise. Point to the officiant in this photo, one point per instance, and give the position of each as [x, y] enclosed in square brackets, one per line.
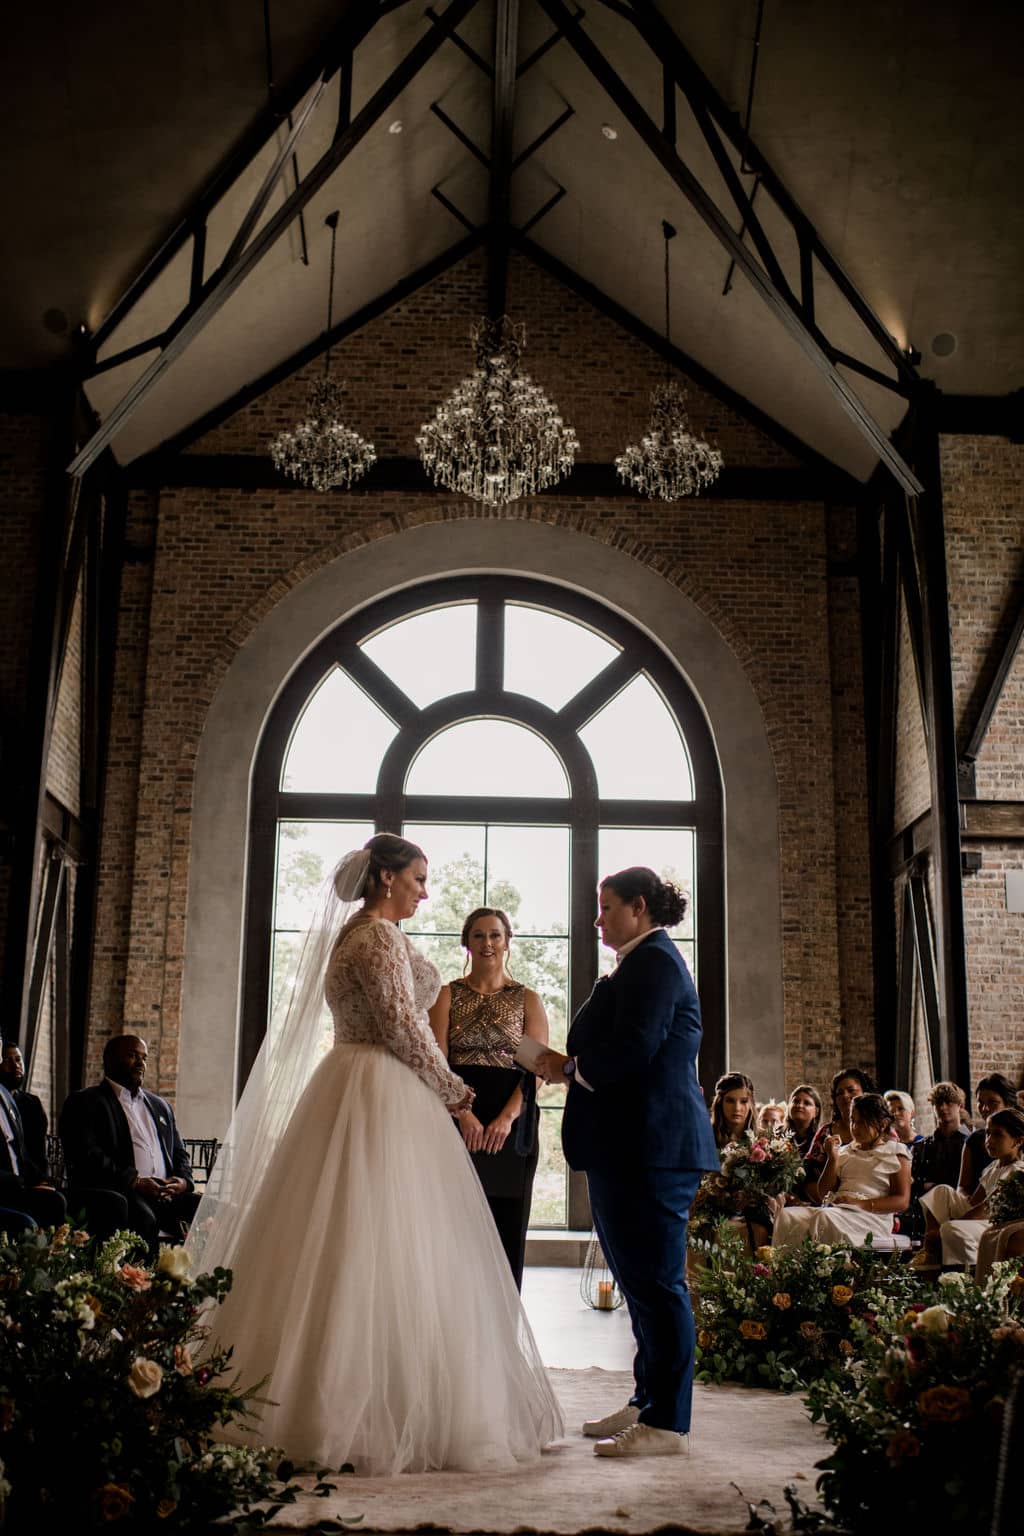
[479, 1020]
[636, 1122]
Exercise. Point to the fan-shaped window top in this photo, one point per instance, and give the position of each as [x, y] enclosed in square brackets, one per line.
[429, 655]
[637, 750]
[487, 757]
[548, 657]
[339, 740]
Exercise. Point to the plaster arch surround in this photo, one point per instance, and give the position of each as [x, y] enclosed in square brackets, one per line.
[216, 886]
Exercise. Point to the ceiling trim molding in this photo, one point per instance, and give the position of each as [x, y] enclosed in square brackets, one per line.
[256, 472]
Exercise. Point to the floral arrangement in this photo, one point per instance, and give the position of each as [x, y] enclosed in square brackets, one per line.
[916, 1425]
[790, 1316]
[1006, 1202]
[754, 1169]
[105, 1417]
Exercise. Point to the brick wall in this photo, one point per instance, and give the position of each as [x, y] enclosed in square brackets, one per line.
[849, 770]
[22, 475]
[984, 516]
[225, 557]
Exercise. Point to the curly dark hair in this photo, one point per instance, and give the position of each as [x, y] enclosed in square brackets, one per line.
[874, 1111]
[864, 1079]
[665, 902]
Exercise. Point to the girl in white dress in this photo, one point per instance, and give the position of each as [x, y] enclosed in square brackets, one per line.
[957, 1222]
[369, 1281]
[862, 1186]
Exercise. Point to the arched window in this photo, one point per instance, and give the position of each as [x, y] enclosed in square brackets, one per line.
[531, 741]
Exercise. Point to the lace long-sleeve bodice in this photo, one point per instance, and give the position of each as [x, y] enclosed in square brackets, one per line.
[378, 988]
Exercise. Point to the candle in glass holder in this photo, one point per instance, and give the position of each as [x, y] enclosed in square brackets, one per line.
[605, 1300]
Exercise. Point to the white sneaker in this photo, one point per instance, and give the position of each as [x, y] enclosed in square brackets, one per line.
[622, 1418]
[643, 1440]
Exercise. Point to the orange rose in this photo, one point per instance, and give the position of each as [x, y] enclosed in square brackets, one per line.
[165, 1509]
[782, 1300]
[841, 1294]
[113, 1501]
[753, 1330]
[1017, 1285]
[902, 1446]
[944, 1405]
[810, 1330]
[845, 1347]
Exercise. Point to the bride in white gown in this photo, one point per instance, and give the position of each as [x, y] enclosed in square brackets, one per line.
[369, 1282]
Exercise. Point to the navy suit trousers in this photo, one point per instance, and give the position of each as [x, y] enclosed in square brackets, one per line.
[640, 1218]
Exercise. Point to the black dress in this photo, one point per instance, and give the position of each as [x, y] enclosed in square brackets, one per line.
[484, 1031]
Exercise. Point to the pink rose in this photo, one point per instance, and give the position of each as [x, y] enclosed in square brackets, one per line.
[134, 1278]
[761, 1270]
[758, 1153]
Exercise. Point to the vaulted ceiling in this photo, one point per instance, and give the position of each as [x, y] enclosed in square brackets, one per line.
[891, 131]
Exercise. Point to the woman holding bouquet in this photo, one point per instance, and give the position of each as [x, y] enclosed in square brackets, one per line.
[862, 1186]
[733, 1108]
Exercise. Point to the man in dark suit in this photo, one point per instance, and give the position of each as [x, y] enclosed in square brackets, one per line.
[125, 1159]
[24, 1182]
[30, 1108]
[636, 1122]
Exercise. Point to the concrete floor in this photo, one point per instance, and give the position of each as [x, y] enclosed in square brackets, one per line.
[570, 1334]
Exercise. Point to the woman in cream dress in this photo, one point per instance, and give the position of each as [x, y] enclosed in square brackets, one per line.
[862, 1186]
[369, 1282]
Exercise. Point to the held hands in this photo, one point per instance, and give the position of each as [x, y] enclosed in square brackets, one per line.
[548, 1067]
[831, 1146]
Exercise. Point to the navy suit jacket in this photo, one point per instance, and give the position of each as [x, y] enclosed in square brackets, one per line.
[98, 1143]
[635, 1041]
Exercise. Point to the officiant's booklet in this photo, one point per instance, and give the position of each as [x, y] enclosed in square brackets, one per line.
[528, 1052]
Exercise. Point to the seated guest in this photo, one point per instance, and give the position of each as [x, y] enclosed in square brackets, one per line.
[803, 1116]
[997, 1244]
[732, 1108]
[25, 1189]
[862, 1186]
[126, 1162]
[956, 1222]
[30, 1108]
[936, 1159]
[771, 1117]
[903, 1109]
[847, 1084]
[993, 1093]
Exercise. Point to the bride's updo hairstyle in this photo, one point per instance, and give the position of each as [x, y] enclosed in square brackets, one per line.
[665, 902]
[358, 876]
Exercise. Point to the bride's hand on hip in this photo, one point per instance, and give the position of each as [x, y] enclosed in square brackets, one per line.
[497, 1133]
[472, 1130]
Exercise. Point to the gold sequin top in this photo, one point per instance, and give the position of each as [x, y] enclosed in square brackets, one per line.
[485, 1030]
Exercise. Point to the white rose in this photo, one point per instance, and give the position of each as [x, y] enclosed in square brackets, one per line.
[175, 1262]
[85, 1316]
[145, 1377]
[933, 1320]
[955, 1277]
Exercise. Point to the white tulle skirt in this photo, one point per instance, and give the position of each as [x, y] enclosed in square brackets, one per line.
[372, 1290]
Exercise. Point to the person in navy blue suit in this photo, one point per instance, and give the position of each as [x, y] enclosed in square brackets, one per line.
[636, 1122]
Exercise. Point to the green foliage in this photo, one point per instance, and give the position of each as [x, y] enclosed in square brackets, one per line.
[916, 1429]
[104, 1416]
[789, 1316]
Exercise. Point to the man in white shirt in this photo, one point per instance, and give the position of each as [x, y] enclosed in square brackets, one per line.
[127, 1166]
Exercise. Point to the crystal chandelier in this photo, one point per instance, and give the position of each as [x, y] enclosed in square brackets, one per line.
[320, 450]
[669, 461]
[497, 437]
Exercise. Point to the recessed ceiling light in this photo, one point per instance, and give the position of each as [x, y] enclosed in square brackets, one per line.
[396, 126]
[944, 344]
[608, 131]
